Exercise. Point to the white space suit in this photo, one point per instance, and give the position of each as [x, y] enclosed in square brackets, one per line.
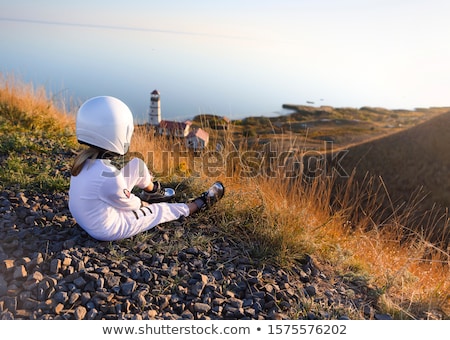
[100, 196]
[101, 201]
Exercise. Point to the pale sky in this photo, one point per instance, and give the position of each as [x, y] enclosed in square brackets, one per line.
[390, 53]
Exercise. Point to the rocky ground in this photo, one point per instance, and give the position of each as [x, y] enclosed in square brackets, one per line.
[51, 269]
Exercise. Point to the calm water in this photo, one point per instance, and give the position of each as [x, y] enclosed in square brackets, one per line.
[328, 59]
[235, 77]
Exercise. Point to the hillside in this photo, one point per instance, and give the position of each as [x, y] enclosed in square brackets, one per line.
[417, 157]
[308, 127]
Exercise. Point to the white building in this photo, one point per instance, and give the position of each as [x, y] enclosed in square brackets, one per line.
[155, 108]
[197, 139]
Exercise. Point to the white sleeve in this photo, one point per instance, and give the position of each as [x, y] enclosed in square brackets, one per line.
[136, 173]
[115, 192]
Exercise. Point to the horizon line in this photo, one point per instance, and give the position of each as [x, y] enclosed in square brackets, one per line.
[124, 28]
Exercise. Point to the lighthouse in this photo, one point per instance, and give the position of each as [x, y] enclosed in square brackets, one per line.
[155, 108]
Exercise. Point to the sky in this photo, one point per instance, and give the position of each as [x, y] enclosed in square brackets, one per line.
[233, 57]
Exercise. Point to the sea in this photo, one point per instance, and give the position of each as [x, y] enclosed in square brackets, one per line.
[194, 73]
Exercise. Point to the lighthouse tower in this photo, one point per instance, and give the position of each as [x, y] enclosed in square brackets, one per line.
[155, 108]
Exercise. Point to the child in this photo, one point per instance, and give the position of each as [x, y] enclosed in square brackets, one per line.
[100, 197]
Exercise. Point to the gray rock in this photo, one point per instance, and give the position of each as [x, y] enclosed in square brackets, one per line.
[55, 266]
[310, 290]
[197, 288]
[128, 287]
[61, 297]
[80, 313]
[234, 302]
[20, 272]
[79, 282]
[201, 307]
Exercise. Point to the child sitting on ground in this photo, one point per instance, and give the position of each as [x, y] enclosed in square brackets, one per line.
[100, 195]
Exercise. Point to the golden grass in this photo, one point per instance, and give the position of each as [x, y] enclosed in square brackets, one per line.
[285, 218]
[23, 104]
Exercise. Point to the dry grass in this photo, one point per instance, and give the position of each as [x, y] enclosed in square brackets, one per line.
[281, 219]
[34, 136]
[31, 108]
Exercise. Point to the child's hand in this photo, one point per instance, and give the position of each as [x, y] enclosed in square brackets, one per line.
[156, 187]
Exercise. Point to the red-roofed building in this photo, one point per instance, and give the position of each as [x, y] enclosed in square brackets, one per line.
[175, 129]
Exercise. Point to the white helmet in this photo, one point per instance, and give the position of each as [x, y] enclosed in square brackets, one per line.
[105, 122]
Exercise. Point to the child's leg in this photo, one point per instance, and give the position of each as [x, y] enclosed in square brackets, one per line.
[149, 216]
